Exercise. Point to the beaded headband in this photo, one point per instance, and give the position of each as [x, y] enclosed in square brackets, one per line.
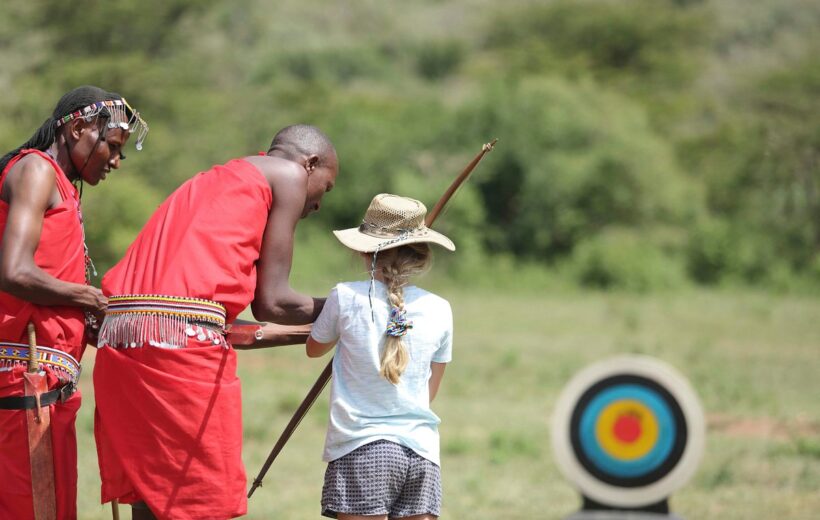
[117, 111]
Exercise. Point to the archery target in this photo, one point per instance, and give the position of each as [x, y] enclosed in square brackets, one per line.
[628, 431]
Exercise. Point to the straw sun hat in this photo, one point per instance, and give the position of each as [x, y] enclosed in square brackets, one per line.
[391, 221]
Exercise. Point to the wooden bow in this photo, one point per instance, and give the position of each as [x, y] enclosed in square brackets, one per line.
[324, 377]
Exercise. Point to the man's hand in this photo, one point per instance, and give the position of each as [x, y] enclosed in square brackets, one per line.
[96, 303]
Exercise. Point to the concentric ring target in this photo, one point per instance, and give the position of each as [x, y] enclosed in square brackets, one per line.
[628, 431]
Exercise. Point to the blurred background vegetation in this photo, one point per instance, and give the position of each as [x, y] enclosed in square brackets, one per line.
[655, 149]
[643, 144]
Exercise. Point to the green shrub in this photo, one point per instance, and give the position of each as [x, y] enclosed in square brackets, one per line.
[723, 251]
[624, 259]
[438, 59]
[586, 159]
[643, 41]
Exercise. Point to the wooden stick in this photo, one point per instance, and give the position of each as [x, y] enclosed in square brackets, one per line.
[38, 422]
[33, 361]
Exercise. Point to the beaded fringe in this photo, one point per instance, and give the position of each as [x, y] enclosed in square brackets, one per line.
[7, 365]
[132, 330]
[134, 320]
[135, 330]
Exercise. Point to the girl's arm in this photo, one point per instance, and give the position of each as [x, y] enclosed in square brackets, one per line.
[435, 378]
[315, 349]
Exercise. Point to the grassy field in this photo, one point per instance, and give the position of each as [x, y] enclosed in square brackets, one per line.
[752, 357]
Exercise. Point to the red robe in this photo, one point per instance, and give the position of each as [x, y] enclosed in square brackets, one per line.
[168, 423]
[60, 253]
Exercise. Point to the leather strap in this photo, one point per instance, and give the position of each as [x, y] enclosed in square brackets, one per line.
[29, 402]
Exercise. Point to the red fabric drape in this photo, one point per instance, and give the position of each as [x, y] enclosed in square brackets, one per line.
[202, 242]
[168, 423]
[169, 429]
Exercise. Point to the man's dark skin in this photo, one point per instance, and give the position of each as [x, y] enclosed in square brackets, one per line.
[298, 187]
[298, 184]
[30, 190]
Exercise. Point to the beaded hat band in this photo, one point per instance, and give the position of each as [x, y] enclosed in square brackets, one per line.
[117, 111]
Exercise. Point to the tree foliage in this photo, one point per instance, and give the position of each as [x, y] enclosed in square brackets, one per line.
[638, 139]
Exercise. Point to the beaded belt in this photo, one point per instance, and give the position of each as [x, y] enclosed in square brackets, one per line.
[12, 354]
[133, 320]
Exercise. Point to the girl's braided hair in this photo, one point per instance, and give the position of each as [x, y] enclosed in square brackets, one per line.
[397, 265]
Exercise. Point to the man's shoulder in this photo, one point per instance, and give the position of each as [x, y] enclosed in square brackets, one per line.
[274, 168]
[33, 161]
[31, 171]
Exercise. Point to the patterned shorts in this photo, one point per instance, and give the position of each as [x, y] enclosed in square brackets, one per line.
[382, 478]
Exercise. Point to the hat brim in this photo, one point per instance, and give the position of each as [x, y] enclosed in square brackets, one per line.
[358, 241]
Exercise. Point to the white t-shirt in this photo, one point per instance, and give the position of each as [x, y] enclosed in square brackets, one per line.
[364, 406]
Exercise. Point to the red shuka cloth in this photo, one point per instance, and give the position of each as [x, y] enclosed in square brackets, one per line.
[60, 253]
[168, 423]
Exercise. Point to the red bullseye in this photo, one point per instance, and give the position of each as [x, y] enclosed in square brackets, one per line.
[627, 428]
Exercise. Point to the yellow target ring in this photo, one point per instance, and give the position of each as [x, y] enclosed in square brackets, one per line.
[626, 429]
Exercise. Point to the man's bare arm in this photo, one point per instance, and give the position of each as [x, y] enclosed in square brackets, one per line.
[30, 187]
[274, 299]
[249, 335]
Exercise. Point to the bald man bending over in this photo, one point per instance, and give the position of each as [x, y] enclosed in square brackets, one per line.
[169, 418]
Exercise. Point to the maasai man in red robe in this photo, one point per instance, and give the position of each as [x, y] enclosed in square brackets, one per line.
[169, 417]
[44, 281]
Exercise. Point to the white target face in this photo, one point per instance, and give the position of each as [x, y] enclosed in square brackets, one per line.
[628, 431]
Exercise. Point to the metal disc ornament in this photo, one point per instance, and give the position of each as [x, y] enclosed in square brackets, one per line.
[628, 431]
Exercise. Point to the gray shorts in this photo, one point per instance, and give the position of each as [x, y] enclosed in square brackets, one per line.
[382, 478]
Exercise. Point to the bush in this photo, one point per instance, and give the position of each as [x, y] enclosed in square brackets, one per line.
[723, 251]
[646, 42]
[436, 60]
[586, 159]
[624, 259]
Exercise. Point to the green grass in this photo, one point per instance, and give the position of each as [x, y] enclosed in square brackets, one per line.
[752, 357]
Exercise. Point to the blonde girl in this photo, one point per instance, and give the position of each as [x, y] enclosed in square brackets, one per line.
[393, 341]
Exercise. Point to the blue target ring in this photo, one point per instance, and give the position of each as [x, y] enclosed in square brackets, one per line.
[618, 467]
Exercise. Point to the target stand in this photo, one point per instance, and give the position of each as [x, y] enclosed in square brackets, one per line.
[627, 432]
